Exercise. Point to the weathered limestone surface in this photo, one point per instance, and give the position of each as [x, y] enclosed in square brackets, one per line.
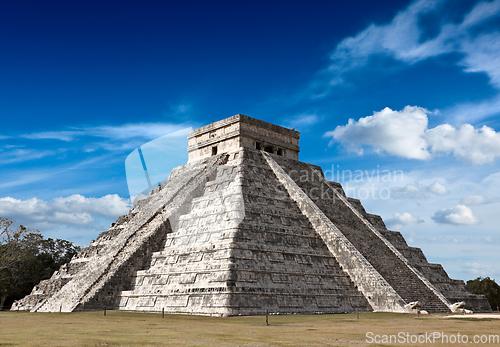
[403, 281]
[379, 293]
[241, 249]
[117, 249]
[394, 268]
[190, 273]
[232, 133]
[281, 263]
[243, 231]
[453, 290]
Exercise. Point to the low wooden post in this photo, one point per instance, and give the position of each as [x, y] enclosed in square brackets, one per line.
[267, 317]
[357, 314]
[163, 313]
[418, 313]
[105, 310]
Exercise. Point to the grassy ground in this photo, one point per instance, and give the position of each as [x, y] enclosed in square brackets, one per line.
[148, 329]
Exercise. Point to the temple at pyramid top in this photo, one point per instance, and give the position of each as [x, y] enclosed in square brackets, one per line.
[242, 131]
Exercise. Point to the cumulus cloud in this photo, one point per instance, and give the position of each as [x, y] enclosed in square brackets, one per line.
[396, 132]
[438, 188]
[418, 190]
[405, 134]
[72, 210]
[401, 219]
[474, 200]
[458, 215]
[472, 145]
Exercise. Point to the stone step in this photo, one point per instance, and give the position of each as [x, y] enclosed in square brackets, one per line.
[395, 271]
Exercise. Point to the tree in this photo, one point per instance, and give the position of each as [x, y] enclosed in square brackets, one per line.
[488, 287]
[9, 244]
[11, 252]
[26, 258]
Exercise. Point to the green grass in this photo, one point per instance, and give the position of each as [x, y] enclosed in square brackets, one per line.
[148, 329]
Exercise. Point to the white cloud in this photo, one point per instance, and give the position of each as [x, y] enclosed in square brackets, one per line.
[459, 215]
[482, 54]
[405, 134]
[181, 109]
[472, 145]
[72, 210]
[492, 179]
[20, 179]
[401, 39]
[17, 155]
[110, 138]
[410, 237]
[142, 130]
[302, 120]
[410, 191]
[438, 188]
[473, 112]
[401, 219]
[478, 269]
[120, 132]
[66, 135]
[418, 190]
[396, 132]
[474, 200]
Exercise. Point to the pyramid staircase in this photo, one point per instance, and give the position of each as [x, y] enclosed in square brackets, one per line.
[240, 233]
[408, 282]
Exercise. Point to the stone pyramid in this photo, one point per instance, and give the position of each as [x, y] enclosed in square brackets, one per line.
[242, 228]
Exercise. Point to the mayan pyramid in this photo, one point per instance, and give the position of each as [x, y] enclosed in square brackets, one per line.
[238, 231]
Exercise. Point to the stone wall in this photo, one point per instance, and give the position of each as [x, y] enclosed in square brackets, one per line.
[91, 269]
[372, 246]
[243, 232]
[191, 273]
[387, 261]
[239, 248]
[232, 133]
[281, 264]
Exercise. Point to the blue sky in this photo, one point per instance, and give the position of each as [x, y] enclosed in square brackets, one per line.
[397, 100]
